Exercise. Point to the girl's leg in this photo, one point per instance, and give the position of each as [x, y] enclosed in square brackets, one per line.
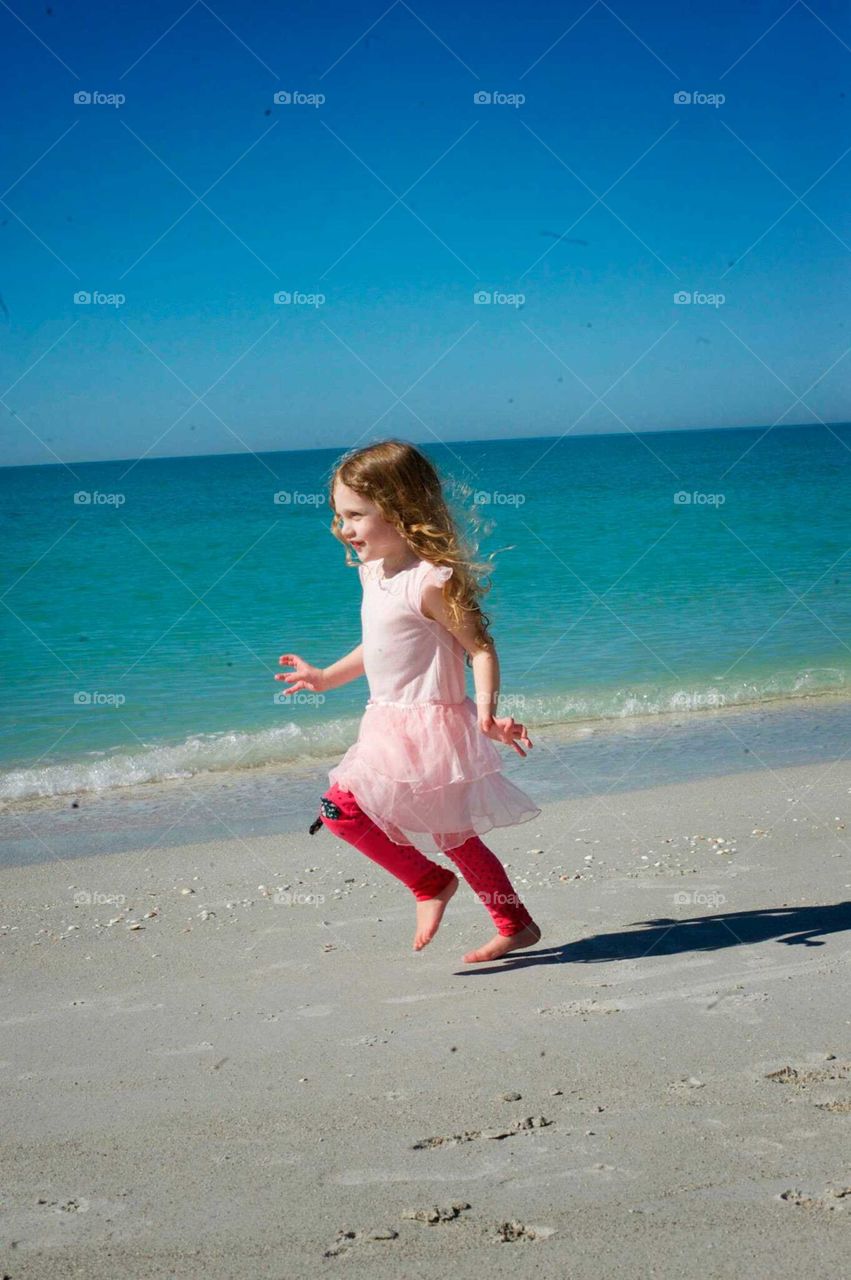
[487, 877]
[425, 879]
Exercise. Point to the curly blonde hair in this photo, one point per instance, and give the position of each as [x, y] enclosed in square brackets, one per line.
[405, 487]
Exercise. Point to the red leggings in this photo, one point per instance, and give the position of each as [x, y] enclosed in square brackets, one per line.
[482, 869]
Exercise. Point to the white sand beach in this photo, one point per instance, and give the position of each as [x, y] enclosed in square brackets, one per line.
[225, 1060]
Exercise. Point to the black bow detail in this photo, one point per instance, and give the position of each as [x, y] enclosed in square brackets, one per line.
[329, 810]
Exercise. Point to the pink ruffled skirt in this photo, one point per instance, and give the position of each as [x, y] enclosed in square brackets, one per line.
[428, 777]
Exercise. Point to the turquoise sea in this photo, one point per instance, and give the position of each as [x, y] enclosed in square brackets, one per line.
[634, 577]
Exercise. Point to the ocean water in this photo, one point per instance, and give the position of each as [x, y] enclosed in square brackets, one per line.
[635, 577]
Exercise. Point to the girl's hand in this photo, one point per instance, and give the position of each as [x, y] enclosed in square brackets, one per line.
[304, 676]
[504, 730]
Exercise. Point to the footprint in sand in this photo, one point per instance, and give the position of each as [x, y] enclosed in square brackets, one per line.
[470, 1135]
[685, 1084]
[435, 1216]
[78, 1204]
[509, 1232]
[346, 1239]
[835, 1199]
[802, 1078]
[447, 1213]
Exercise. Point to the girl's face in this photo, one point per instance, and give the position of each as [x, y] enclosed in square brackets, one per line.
[361, 524]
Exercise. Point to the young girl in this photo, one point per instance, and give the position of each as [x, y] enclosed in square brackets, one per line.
[423, 773]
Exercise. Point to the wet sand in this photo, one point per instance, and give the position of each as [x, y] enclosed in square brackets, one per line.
[225, 1060]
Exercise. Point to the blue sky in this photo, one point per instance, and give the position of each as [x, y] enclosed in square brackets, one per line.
[496, 198]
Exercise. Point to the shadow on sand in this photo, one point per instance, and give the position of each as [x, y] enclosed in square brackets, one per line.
[794, 926]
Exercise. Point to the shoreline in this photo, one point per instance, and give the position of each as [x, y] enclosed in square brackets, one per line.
[591, 758]
[248, 1024]
[316, 754]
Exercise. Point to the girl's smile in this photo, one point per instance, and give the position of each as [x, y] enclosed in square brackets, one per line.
[356, 512]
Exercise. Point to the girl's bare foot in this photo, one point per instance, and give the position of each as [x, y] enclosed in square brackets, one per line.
[500, 945]
[430, 913]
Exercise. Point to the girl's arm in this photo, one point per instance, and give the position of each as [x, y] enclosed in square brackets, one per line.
[346, 669]
[486, 679]
[486, 673]
[484, 660]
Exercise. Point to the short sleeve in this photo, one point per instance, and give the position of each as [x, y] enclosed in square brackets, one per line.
[431, 574]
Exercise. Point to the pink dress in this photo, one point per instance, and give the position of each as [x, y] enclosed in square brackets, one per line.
[421, 767]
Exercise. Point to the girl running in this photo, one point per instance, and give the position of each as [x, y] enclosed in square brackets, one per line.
[423, 775]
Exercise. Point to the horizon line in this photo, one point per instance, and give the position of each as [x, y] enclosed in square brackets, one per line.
[265, 453]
